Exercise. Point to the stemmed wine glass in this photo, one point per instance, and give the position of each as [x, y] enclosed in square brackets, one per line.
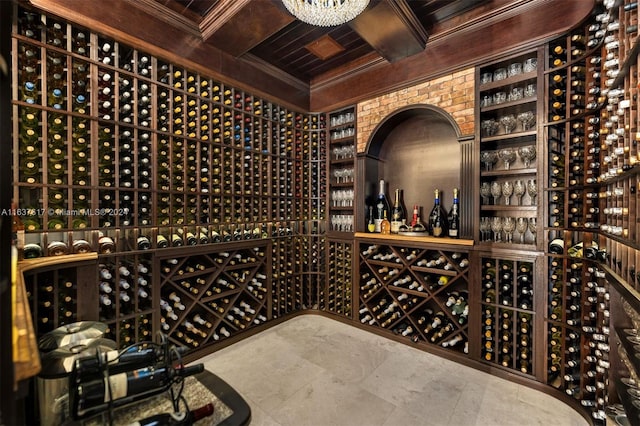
[508, 122]
[485, 192]
[496, 227]
[519, 190]
[485, 229]
[532, 227]
[508, 226]
[496, 191]
[532, 188]
[508, 156]
[521, 226]
[488, 158]
[507, 191]
[527, 153]
[527, 119]
[490, 127]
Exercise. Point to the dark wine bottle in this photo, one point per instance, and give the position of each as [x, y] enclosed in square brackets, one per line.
[398, 214]
[94, 396]
[382, 207]
[454, 217]
[437, 223]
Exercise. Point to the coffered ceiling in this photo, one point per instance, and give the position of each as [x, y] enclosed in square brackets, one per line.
[264, 32]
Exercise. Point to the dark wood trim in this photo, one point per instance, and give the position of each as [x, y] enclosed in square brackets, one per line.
[168, 15]
[522, 27]
[221, 13]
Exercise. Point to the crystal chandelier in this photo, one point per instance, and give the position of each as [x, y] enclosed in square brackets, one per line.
[325, 13]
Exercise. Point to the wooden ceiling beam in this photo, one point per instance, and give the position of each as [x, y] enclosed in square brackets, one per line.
[247, 26]
[391, 28]
[221, 13]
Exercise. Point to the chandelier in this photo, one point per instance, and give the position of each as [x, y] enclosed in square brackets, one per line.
[325, 13]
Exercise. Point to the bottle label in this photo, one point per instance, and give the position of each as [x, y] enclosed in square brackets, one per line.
[437, 231]
[118, 384]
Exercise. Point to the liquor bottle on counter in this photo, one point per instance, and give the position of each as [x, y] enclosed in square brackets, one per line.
[398, 214]
[437, 221]
[385, 225]
[454, 217]
[382, 207]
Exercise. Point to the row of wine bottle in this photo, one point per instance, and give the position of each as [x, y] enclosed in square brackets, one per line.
[508, 338]
[382, 218]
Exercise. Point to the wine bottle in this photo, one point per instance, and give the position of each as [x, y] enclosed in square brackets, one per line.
[382, 207]
[454, 217]
[176, 419]
[371, 227]
[93, 396]
[398, 213]
[437, 225]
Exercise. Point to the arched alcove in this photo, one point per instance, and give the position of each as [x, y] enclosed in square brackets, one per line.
[418, 149]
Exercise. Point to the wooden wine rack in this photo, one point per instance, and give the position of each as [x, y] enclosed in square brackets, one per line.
[118, 141]
[399, 295]
[110, 141]
[169, 152]
[509, 319]
[207, 296]
[339, 293]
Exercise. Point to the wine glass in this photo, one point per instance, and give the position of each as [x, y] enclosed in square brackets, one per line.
[527, 119]
[496, 227]
[508, 122]
[507, 156]
[521, 226]
[508, 226]
[488, 158]
[496, 191]
[532, 227]
[485, 229]
[489, 127]
[519, 189]
[485, 192]
[507, 191]
[527, 153]
[532, 189]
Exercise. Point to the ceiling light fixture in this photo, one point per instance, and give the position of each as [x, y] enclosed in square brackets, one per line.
[325, 13]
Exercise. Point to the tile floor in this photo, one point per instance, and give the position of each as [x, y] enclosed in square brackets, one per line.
[315, 371]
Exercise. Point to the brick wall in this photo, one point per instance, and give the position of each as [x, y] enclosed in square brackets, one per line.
[454, 93]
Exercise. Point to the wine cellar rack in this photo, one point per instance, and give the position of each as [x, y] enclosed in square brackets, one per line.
[232, 210]
[339, 294]
[91, 118]
[419, 292]
[509, 313]
[226, 160]
[207, 296]
[508, 93]
[126, 300]
[54, 289]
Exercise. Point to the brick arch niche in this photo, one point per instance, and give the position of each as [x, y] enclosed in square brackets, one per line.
[417, 148]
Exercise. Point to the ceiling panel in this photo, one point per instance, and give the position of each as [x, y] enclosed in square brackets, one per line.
[280, 42]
